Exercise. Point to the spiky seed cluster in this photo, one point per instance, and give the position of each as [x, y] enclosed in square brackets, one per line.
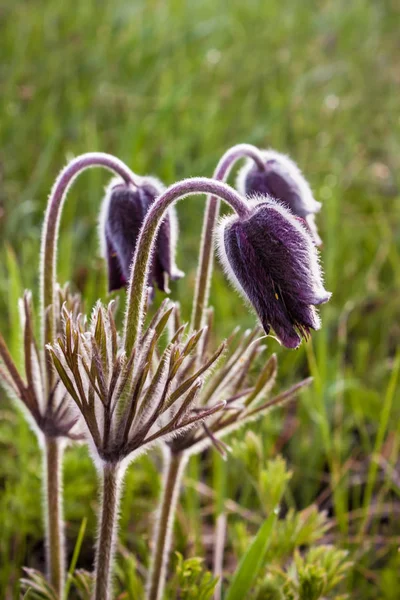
[273, 262]
[131, 402]
[282, 179]
[123, 211]
[232, 381]
[49, 411]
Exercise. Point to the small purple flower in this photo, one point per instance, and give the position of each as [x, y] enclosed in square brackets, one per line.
[283, 180]
[123, 211]
[271, 259]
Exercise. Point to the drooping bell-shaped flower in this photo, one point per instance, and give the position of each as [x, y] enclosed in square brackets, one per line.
[270, 257]
[282, 179]
[123, 211]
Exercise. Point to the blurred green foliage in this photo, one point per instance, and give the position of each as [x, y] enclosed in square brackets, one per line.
[168, 85]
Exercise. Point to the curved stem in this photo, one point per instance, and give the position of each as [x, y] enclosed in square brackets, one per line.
[110, 500]
[52, 222]
[204, 270]
[55, 543]
[173, 472]
[145, 243]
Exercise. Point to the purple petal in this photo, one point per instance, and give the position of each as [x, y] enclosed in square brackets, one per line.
[125, 218]
[115, 278]
[281, 179]
[123, 213]
[275, 264]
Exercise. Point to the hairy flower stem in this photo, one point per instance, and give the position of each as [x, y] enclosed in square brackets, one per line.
[52, 222]
[54, 447]
[173, 472]
[55, 543]
[204, 270]
[110, 500]
[136, 299]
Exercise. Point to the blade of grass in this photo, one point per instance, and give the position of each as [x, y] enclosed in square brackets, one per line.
[380, 437]
[220, 482]
[75, 557]
[252, 561]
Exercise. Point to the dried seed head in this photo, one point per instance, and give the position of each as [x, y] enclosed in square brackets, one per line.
[131, 402]
[49, 411]
[282, 179]
[272, 261]
[243, 378]
[123, 211]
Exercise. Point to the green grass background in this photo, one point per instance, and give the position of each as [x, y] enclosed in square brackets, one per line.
[168, 86]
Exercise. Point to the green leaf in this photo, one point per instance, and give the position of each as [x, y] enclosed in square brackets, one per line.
[252, 561]
[75, 557]
[191, 581]
[35, 584]
[64, 377]
[265, 380]
[185, 386]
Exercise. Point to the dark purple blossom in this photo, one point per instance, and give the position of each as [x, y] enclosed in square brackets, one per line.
[282, 179]
[123, 212]
[271, 259]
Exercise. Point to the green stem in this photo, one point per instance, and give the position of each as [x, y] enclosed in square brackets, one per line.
[173, 473]
[110, 500]
[136, 298]
[55, 543]
[219, 548]
[205, 267]
[219, 485]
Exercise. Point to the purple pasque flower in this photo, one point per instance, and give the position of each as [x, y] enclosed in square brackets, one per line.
[123, 211]
[271, 259]
[282, 179]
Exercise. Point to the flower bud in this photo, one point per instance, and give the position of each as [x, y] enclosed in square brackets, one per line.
[271, 259]
[123, 211]
[282, 179]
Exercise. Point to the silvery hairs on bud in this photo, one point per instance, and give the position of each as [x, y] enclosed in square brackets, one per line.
[270, 258]
[282, 179]
[122, 214]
